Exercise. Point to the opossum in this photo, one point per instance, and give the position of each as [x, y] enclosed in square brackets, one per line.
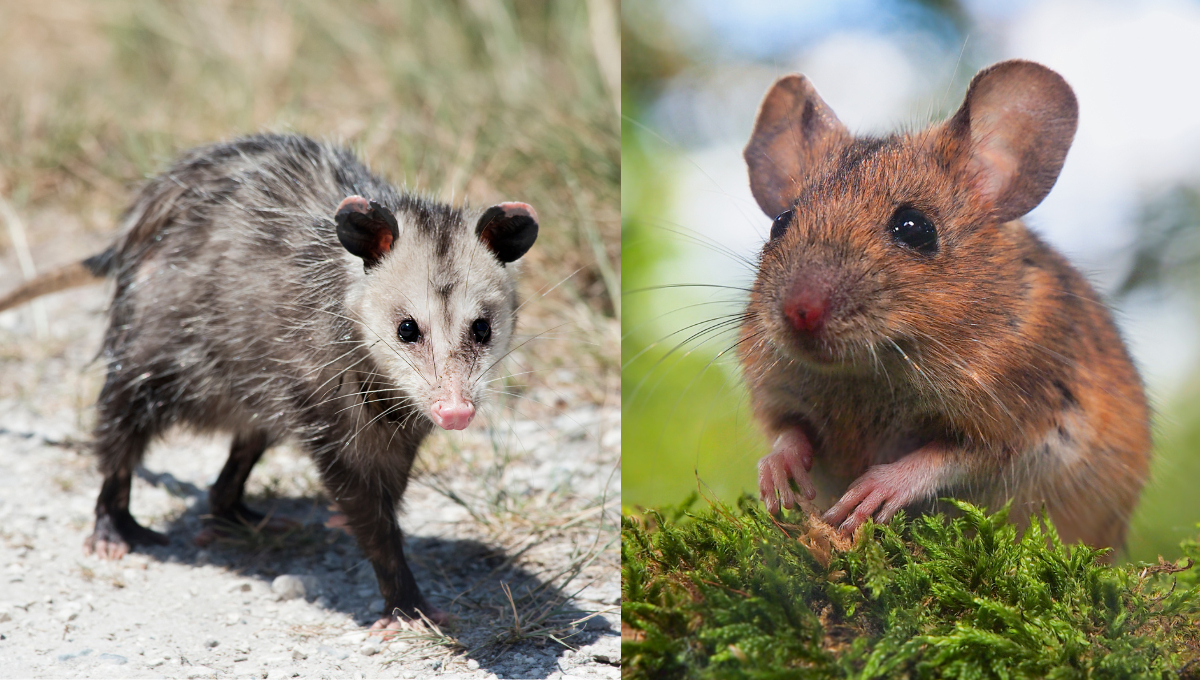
[273, 287]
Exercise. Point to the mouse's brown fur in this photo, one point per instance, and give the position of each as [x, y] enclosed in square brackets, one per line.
[988, 370]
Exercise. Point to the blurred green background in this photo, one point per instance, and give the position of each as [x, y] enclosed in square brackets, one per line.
[1126, 209]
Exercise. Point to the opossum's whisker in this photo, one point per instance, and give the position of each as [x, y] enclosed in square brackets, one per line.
[363, 324]
[339, 374]
[513, 375]
[383, 414]
[502, 357]
[541, 403]
[360, 399]
[325, 365]
[544, 292]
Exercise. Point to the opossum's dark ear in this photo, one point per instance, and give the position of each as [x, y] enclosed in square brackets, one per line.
[508, 230]
[366, 229]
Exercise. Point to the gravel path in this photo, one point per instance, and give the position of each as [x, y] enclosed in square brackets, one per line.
[511, 529]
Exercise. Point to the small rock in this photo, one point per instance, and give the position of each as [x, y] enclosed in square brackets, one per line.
[277, 659]
[211, 642]
[472, 664]
[353, 637]
[299, 654]
[606, 650]
[201, 672]
[69, 611]
[5, 616]
[156, 662]
[288, 587]
[312, 585]
[112, 658]
[76, 655]
[338, 654]
[369, 649]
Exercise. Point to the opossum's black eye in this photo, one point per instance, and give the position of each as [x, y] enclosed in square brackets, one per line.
[781, 223]
[912, 228]
[482, 330]
[409, 332]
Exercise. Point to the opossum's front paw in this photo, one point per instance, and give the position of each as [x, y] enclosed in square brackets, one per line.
[790, 460]
[114, 535]
[389, 625]
[878, 494]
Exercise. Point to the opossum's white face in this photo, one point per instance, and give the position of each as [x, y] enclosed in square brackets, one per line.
[438, 303]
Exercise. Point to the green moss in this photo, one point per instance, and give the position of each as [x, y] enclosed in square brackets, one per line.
[733, 593]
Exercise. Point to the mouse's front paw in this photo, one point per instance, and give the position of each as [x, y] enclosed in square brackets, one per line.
[879, 493]
[789, 461]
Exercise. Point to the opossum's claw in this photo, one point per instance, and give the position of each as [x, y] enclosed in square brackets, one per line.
[114, 535]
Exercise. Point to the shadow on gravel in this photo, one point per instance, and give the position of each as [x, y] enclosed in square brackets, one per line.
[511, 634]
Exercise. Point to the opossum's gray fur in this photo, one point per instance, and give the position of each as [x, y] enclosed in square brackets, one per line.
[237, 309]
[240, 307]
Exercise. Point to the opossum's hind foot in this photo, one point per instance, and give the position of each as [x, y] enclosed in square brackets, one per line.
[388, 626]
[115, 534]
[338, 521]
[241, 519]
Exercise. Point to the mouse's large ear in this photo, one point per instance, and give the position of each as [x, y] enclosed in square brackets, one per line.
[508, 230]
[794, 130]
[366, 229]
[1013, 130]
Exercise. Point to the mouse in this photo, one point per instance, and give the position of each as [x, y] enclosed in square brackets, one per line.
[907, 338]
[274, 288]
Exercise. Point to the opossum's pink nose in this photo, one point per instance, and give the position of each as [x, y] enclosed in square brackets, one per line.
[454, 415]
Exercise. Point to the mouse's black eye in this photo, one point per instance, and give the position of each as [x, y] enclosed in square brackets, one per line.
[408, 331]
[912, 228]
[482, 330]
[781, 223]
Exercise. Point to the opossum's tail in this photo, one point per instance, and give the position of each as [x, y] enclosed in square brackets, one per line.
[70, 276]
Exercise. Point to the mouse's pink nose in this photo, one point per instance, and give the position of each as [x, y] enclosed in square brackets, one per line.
[452, 415]
[807, 306]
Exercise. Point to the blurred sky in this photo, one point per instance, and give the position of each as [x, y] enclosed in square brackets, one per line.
[884, 65]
